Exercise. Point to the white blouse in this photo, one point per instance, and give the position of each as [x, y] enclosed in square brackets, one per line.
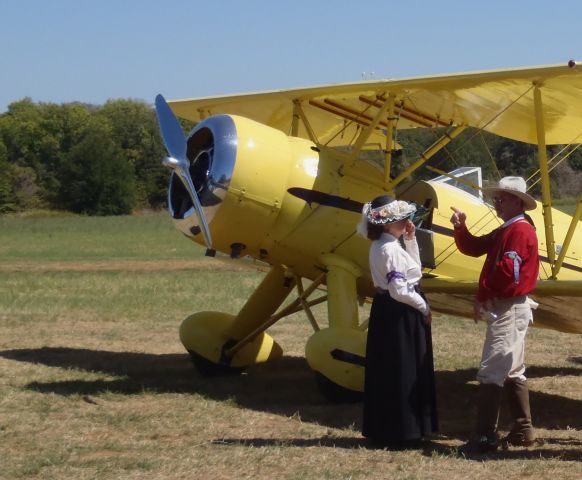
[397, 270]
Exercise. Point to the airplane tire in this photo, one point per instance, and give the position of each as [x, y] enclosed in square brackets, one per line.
[335, 393]
[206, 368]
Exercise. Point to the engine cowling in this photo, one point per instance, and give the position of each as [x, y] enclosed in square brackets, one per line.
[240, 169]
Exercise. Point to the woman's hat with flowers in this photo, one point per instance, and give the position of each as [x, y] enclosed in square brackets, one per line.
[393, 211]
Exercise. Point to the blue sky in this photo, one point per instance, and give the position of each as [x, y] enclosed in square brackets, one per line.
[65, 50]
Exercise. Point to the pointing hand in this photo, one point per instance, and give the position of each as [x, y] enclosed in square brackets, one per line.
[458, 218]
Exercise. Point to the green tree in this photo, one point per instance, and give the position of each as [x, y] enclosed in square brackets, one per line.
[20, 133]
[62, 128]
[135, 131]
[37, 136]
[95, 176]
[7, 200]
[575, 159]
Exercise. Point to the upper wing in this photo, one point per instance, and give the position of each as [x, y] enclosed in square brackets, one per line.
[501, 102]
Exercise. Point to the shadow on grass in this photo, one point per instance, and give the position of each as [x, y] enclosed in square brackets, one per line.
[573, 454]
[570, 449]
[427, 447]
[286, 386]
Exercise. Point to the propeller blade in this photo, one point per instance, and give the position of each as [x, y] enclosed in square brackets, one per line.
[187, 181]
[175, 142]
[170, 129]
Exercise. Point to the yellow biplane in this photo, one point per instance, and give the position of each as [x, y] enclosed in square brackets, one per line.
[282, 176]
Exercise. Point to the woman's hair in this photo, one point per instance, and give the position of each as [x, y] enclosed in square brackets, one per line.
[375, 231]
[382, 200]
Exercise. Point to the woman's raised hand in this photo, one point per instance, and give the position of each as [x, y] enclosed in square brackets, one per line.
[409, 230]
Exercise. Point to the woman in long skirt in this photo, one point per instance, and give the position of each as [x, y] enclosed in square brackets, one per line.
[399, 390]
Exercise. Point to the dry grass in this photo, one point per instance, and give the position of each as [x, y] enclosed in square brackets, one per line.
[95, 384]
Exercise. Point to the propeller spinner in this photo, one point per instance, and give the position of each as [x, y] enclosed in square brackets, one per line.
[175, 143]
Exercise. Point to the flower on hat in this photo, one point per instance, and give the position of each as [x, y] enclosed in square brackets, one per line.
[389, 213]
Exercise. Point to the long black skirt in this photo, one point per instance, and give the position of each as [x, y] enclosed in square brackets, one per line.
[399, 389]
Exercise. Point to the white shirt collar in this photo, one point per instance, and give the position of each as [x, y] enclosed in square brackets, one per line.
[513, 220]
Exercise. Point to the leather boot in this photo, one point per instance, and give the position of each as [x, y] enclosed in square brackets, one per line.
[522, 432]
[485, 439]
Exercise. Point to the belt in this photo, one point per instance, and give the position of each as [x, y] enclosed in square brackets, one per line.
[381, 291]
[504, 303]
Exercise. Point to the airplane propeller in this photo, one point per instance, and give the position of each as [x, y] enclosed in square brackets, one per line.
[175, 143]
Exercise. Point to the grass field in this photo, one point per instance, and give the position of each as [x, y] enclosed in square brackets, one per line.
[94, 382]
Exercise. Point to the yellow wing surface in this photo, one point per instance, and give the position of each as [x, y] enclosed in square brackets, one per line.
[500, 102]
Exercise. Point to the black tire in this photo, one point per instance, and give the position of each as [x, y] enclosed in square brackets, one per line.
[335, 393]
[206, 368]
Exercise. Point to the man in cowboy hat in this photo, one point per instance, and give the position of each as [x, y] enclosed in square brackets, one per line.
[509, 274]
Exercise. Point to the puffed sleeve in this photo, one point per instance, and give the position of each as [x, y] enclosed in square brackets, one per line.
[398, 286]
[412, 250]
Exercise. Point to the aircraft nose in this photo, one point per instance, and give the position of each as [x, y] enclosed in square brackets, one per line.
[211, 153]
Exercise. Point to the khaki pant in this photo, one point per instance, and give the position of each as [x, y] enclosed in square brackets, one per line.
[504, 349]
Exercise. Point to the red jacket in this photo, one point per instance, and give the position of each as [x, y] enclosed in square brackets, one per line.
[512, 264]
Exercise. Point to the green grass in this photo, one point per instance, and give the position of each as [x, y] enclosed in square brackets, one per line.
[142, 299]
[94, 382]
[76, 238]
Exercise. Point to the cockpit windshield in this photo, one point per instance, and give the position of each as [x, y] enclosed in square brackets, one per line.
[468, 179]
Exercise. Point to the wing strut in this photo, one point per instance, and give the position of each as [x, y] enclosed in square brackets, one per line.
[569, 235]
[389, 139]
[298, 110]
[295, 306]
[295, 119]
[425, 156]
[370, 128]
[545, 179]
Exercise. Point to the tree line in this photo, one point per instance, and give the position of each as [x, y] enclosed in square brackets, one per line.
[96, 160]
[106, 159]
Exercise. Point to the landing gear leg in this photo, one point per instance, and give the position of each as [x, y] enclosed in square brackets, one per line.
[213, 338]
[337, 353]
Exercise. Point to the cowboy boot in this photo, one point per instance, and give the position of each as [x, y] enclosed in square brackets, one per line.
[485, 439]
[522, 432]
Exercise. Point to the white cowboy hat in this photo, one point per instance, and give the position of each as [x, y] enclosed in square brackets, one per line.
[515, 186]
